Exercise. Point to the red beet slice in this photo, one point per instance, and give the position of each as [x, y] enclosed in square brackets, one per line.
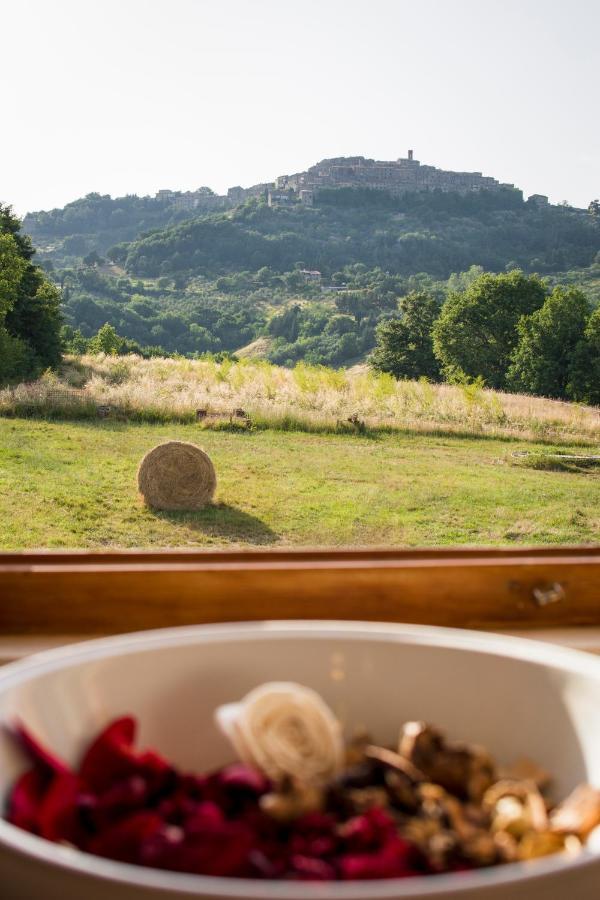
[110, 757]
[26, 798]
[58, 815]
[314, 836]
[393, 860]
[306, 868]
[368, 831]
[124, 841]
[136, 808]
[39, 754]
[219, 849]
[240, 777]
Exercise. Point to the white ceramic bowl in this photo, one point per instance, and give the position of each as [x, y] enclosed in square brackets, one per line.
[514, 696]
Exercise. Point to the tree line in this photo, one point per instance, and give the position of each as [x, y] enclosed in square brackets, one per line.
[506, 331]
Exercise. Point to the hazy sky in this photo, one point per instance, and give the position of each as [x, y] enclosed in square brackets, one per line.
[129, 96]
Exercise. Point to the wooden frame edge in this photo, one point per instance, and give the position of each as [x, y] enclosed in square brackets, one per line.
[93, 593]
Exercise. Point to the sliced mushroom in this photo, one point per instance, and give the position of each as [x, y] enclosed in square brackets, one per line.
[441, 848]
[480, 848]
[511, 817]
[420, 831]
[363, 799]
[540, 843]
[420, 743]
[465, 770]
[401, 790]
[292, 801]
[525, 769]
[355, 749]
[456, 811]
[507, 846]
[528, 812]
[395, 761]
[579, 813]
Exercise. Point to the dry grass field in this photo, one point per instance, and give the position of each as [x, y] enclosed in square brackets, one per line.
[418, 464]
[306, 398]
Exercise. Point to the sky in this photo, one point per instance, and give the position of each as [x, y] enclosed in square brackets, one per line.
[131, 96]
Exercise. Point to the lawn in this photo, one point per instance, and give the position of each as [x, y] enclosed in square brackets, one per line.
[74, 485]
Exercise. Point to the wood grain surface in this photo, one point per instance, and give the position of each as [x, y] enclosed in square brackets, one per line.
[48, 593]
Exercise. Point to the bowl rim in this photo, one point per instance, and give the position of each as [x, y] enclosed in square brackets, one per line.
[80, 863]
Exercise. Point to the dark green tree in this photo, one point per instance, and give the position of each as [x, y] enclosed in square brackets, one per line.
[584, 374]
[594, 209]
[92, 259]
[29, 304]
[476, 332]
[340, 324]
[13, 352]
[548, 340]
[286, 324]
[405, 345]
[354, 303]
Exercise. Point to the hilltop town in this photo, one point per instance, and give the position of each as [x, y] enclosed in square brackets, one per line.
[397, 177]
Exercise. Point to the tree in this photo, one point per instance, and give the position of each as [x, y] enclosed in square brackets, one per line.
[548, 340]
[12, 269]
[14, 355]
[354, 303]
[286, 324]
[405, 345]
[340, 324]
[584, 375]
[106, 341]
[73, 340]
[92, 259]
[460, 281]
[30, 317]
[594, 209]
[476, 331]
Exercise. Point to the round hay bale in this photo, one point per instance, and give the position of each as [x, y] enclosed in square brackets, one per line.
[177, 475]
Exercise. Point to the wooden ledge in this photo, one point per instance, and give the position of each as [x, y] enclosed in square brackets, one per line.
[47, 593]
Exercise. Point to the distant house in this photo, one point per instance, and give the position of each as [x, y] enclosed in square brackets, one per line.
[311, 275]
[279, 198]
[539, 199]
[185, 201]
[334, 288]
[236, 194]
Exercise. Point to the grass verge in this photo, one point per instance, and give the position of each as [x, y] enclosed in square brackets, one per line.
[72, 484]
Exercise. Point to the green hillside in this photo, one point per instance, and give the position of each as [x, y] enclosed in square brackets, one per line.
[95, 223]
[435, 233]
[193, 283]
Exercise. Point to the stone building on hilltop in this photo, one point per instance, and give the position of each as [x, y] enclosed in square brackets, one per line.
[396, 177]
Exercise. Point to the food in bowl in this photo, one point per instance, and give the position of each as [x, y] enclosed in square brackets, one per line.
[301, 803]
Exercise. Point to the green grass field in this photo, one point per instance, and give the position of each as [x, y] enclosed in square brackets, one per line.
[74, 485]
